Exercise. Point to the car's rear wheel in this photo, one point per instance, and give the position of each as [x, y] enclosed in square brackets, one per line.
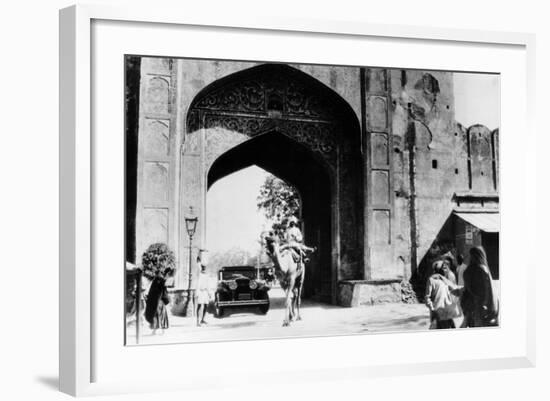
[264, 308]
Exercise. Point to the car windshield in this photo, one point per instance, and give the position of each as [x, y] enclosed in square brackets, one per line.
[233, 275]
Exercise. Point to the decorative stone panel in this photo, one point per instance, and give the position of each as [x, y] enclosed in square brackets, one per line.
[381, 227]
[377, 113]
[320, 137]
[377, 82]
[157, 95]
[156, 137]
[155, 177]
[380, 188]
[155, 224]
[379, 150]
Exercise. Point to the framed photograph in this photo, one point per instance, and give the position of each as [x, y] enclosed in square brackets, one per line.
[235, 191]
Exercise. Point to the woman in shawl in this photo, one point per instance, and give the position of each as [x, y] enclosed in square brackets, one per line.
[478, 301]
[155, 308]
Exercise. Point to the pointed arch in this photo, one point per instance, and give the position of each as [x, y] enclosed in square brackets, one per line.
[289, 123]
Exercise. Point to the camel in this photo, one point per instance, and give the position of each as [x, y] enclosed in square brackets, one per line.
[291, 276]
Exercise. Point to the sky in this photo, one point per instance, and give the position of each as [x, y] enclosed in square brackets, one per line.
[231, 208]
[231, 201]
[477, 99]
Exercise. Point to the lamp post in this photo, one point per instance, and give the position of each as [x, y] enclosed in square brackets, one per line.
[191, 226]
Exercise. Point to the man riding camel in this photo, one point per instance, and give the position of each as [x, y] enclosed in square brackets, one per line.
[295, 240]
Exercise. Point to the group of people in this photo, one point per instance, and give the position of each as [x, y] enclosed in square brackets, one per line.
[157, 300]
[452, 290]
[471, 296]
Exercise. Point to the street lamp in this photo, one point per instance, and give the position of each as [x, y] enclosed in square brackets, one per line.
[191, 226]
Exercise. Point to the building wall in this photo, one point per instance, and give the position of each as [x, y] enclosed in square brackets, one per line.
[428, 152]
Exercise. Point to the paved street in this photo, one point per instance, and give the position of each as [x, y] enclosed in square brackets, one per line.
[317, 320]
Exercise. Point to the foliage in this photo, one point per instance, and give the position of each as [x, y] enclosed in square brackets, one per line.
[278, 200]
[408, 295]
[235, 256]
[158, 259]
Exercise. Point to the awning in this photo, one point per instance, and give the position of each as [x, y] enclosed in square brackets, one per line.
[485, 221]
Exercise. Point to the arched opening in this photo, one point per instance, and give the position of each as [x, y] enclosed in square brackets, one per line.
[234, 221]
[294, 163]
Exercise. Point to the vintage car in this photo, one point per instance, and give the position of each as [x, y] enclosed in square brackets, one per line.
[241, 286]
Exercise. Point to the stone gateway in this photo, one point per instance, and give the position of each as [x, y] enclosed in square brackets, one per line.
[380, 163]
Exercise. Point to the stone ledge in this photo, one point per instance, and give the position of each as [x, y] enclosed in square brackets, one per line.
[354, 293]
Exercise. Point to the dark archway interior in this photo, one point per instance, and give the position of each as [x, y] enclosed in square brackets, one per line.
[294, 163]
[132, 80]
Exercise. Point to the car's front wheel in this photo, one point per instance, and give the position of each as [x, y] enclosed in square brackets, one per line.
[264, 308]
[218, 310]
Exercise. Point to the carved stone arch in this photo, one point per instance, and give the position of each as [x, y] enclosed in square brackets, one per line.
[276, 97]
[249, 91]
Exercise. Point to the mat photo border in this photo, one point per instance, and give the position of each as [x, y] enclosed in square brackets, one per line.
[76, 345]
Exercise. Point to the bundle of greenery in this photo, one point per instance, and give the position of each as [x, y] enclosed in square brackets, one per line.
[157, 260]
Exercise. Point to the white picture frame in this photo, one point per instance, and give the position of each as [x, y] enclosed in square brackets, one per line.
[79, 345]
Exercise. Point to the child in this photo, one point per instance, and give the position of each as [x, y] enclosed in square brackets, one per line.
[442, 304]
[203, 293]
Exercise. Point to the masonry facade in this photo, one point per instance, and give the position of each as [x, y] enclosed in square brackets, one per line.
[376, 154]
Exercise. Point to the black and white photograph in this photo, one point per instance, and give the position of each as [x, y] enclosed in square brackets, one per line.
[276, 200]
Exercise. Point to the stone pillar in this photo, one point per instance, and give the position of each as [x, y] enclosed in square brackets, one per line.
[379, 260]
[155, 167]
[192, 195]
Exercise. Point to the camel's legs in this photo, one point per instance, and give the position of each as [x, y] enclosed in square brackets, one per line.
[293, 304]
[289, 289]
[299, 295]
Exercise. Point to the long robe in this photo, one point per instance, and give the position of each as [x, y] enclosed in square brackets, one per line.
[155, 308]
[479, 302]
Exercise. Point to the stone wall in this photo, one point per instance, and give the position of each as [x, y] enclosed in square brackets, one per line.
[427, 153]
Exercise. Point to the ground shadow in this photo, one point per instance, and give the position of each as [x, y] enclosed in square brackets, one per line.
[52, 382]
[278, 302]
[235, 325]
[443, 242]
[402, 323]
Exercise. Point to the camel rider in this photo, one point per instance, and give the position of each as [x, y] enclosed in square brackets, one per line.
[294, 238]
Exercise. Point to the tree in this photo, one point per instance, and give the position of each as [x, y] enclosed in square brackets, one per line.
[279, 201]
[234, 256]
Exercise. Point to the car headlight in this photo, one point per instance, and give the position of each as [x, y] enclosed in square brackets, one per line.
[233, 285]
[253, 285]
